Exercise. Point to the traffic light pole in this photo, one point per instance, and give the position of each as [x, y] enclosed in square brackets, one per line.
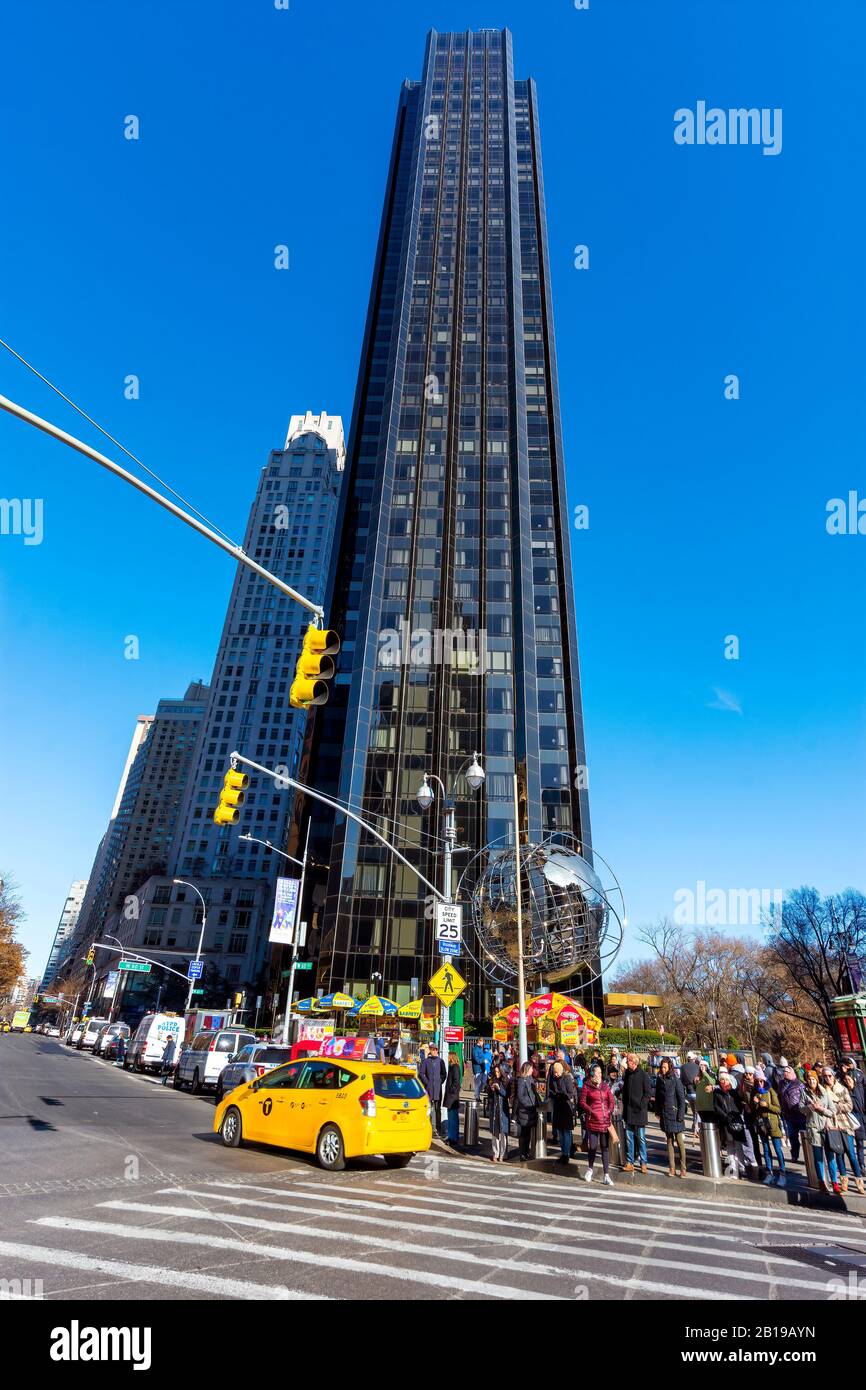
[287, 781]
[237, 552]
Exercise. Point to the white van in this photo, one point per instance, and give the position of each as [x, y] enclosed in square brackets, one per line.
[201, 1063]
[144, 1052]
[90, 1031]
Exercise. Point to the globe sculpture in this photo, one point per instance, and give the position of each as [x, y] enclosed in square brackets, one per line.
[572, 919]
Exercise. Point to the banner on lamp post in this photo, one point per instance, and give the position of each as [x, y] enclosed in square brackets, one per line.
[285, 911]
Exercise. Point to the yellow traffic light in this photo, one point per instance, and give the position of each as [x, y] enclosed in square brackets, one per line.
[315, 668]
[231, 798]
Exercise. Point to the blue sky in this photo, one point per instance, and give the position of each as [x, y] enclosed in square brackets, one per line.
[707, 516]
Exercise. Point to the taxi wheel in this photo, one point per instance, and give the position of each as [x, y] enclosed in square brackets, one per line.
[397, 1160]
[230, 1129]
[330, 1151]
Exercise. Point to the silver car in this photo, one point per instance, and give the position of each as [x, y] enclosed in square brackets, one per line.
[252, 1061]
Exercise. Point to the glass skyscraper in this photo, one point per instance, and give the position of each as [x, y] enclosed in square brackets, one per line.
[452, 585]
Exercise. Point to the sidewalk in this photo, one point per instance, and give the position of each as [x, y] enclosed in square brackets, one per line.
[796, 1192]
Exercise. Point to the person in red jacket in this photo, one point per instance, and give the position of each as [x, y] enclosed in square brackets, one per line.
[598, 1105]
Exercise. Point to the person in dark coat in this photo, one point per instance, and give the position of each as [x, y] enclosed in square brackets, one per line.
[562, 1094]
[728, 1116]
[497, 1110]
[525, 1107]
[636, 1095]
[689, 1073]
[432, 1075]
[168, 1059]
[670, 1106]
[452, 1098]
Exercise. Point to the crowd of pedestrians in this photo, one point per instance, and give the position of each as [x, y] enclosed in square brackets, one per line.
[760, 1110]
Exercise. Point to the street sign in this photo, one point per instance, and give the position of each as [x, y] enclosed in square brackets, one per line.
[454, 1035]
[142, 966]
[447, 984]
[194, 970]
[198, 991]
[450, 948]
[449, 922]
[303, 965]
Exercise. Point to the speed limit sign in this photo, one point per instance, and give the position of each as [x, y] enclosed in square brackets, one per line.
[449, 929]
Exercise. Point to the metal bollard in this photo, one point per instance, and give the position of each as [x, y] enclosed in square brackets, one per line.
[540, 1149]
[620, 1134]
[711, 1155]
[470, 1123]
[811, 1166]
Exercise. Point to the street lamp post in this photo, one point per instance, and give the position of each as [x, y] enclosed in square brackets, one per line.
[425, 797]
[296, 925]
[522, 1044]
[192, 979]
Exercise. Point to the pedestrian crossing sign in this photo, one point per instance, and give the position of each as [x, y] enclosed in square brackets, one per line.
[447, 984]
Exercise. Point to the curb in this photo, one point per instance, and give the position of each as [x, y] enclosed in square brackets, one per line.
[696, 1185]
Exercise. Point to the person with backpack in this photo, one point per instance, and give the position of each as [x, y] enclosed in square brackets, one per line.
[792, 1098]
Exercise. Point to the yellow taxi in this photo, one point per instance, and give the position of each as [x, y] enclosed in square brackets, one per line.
[332, 1107]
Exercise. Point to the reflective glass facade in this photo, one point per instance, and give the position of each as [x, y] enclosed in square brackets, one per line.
[452, 585]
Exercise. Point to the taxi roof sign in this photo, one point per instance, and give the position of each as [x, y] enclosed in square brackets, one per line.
[447, 983]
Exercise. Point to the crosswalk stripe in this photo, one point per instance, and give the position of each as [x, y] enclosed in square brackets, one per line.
[528, 1207]
[277, 1252]
[699, 1204]
[147, 1274]
[485, 1237]
[599, 1194]
[441, 1256]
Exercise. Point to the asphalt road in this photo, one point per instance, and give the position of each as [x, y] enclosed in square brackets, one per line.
[112, 1186]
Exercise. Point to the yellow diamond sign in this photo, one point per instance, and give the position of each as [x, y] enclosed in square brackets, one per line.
[447, 984]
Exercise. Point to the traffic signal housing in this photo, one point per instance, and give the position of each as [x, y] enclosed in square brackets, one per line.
[232, 797]
[315, 668]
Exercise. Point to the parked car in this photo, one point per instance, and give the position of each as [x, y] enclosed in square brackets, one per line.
[52, 1031]
[256, 1059]
[106, 1043]
[73, 1034]
[144, 1052]
[334, 1109]
[90, 1032]
[201, 1063]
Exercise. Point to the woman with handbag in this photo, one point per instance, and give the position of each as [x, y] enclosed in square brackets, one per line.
[767, 1111]
[844, 1125]
[597, 1105]
[727, 1115]
[497, 1100]
[451, 1099]
[562, 1094]
[527, 1103]
[818, 1110]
